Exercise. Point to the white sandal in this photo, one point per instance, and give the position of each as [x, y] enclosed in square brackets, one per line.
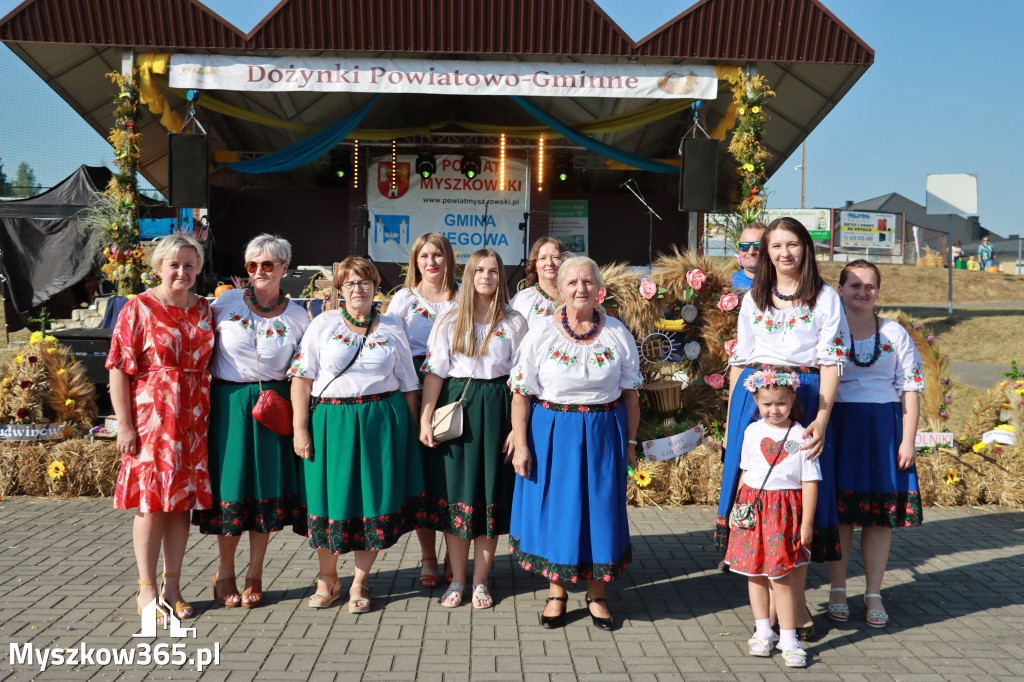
[840, 613]
[761, 647]
[876, 618]
[482, 598]
[454, 593]
[795, 658]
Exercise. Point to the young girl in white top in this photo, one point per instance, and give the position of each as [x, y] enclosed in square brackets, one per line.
[772, 523]
[470, 478]
[536, 302]
[429, 292]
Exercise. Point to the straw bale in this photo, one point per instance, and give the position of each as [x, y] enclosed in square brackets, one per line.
[988, 477]
[632, 309]
[90, 468]
[693, 478]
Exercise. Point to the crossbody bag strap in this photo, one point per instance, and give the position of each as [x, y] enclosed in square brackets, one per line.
[359, 349]
[423, 301]
[782, 446]
[470, 379]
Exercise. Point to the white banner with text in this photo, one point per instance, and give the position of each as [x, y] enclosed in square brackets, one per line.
[470, 212]
[429, 76]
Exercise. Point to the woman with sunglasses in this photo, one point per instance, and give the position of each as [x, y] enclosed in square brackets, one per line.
[429, 292]
[253, 474]
[536, 301]
[362, 468]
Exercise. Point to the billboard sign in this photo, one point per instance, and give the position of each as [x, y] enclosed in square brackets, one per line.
[865, 228]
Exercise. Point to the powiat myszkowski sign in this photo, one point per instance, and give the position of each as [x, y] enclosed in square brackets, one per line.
[649, 81]
[470, 212]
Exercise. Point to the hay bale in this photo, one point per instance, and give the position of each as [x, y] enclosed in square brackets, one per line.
[693, 478]
[90, 468]
[987, 477]
[931, 259]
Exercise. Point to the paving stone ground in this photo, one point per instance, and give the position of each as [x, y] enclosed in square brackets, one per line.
[954, 591]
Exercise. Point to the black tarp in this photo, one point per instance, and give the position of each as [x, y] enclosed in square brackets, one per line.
[45, 253]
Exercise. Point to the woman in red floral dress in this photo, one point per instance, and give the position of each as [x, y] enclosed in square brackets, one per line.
[160, 389]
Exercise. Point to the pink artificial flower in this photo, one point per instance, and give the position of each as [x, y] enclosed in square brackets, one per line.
[695, 278]
[648, 288]
[602, 293]
[728, 302]
[715, 381]
[730, 346]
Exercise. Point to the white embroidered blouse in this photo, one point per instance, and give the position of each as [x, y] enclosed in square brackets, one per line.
[533, 305]
[761, 443]
[238, 330]
[897, 369]
[797, 336]
[501, 349]
[554, 368]
[385, 363]
[416, 318]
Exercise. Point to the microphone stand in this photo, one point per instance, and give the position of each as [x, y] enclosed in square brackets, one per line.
[651, 215]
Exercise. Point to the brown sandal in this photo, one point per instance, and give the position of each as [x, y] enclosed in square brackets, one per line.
[253, 590]
[224, 602]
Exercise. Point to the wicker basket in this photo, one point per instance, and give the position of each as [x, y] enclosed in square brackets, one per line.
[665, 396]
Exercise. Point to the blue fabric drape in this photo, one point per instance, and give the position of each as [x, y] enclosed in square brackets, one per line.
[306, 150]
[590, 143]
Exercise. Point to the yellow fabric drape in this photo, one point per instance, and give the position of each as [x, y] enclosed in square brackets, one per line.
[727, 122]
[149, 94]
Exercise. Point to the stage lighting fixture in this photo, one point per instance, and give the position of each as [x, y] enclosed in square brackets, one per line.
[563, 166]
[338, 164]
[426, 164]
[470, 164]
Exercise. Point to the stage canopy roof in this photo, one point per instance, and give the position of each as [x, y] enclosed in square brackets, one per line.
[810, 58]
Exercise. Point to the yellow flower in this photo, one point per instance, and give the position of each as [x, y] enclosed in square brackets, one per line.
[17, 358]
[69, 401]
[56, 469]
[50, 339]
[36, 337]
[749, 167]
[1002, 384]
[61, 371]
[978, 447]
[1019, 391]
[755, 110]
[51, 351]
[951, 477]
[1005, 427]
[642, 478]
[741, 111]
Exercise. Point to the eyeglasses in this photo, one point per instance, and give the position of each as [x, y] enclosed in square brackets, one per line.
[268, 266]
[364, 284]
[747, 246]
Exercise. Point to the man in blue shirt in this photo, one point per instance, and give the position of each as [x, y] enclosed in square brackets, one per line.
[985, 254]
[750, 244]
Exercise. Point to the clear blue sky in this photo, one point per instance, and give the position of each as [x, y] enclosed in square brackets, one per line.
[938, 99]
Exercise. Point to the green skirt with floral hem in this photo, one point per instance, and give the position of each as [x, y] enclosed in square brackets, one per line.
[364, 484]
[469, 485]
[255, 477]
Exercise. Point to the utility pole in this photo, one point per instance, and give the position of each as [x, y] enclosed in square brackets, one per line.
[803, 174]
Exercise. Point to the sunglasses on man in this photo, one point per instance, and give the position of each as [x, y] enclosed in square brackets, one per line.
[747, 246]
[268, 266]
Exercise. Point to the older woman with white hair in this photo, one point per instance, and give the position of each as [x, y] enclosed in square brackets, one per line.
[581, 369]
[160, 390]
[254, 476]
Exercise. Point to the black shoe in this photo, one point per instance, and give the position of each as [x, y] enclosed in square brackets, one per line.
[807, 633]
[599, 623]
[553, 622]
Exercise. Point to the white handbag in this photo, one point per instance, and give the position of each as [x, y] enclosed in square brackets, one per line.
[447, 419]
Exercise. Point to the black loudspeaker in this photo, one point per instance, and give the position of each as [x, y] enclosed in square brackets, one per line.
[189, 184]
[698, 179]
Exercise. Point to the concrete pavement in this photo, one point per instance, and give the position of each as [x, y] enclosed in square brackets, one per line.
[954, 591]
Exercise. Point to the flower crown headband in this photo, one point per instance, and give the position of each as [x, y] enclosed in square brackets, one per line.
[767, 378]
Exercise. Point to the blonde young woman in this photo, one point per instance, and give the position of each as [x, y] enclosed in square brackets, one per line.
[160, 389]
[536, 302]
[470, 479]
[429, 291]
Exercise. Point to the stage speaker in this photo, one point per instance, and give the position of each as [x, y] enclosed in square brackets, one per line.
[698, 178]
[189, 184]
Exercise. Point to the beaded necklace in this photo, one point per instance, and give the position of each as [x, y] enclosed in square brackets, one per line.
[875, 354]
[781, 296]
[542, 292]
[570, 332]
[364, 324]
[251, 293]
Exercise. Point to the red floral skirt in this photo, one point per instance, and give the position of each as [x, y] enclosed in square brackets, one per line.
[772, 548]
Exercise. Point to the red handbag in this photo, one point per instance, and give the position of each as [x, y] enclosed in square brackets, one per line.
[271, 409]
[274, 412]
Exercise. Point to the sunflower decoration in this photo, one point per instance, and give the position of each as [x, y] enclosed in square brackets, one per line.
[642, 478]
[952, 478]
[56, 469]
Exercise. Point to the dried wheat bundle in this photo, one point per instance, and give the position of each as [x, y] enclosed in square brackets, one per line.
[934, 406]
[625, 302]
[693, 478]
[951, 478]
[72, 468]
[930, 259]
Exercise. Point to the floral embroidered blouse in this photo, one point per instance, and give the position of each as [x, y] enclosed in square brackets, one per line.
[385, 363]
[554, 368]
[238, 330]
[797, 336]
[533, 305]
[501, 349]
[898, 368]
[416, 319]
